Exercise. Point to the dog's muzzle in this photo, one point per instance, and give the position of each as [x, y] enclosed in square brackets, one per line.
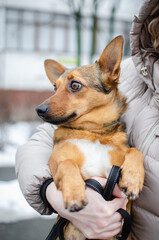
[43, 112]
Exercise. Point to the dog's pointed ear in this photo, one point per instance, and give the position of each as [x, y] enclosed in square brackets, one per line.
[110, 59]
[53, 70]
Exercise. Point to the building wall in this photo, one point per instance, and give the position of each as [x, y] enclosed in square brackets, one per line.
[20, 105]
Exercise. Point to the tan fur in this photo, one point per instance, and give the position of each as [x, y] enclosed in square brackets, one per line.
[132, 175]
[84, 114]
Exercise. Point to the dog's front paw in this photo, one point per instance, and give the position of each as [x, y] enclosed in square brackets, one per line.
[132, 174]
[75, 200]
[131, 183]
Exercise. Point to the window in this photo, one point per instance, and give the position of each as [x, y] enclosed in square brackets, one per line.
[12, 30]
[37, 31]
[30, 30]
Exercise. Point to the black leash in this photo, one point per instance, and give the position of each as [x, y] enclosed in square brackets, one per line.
[57, 229]
[113, 178]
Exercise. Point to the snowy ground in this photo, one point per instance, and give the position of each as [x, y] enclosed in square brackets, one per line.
[13, 206]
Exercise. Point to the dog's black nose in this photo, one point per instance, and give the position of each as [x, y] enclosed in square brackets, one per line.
[42, 110]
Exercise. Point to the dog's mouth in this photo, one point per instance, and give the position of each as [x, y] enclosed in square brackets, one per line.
[58, 121]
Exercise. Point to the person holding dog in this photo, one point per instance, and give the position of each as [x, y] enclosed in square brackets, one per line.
[139, 83]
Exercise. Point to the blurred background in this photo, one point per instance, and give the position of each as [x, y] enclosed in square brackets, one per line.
[73, 32]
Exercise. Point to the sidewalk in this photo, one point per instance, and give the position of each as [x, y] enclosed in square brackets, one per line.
[32, 229]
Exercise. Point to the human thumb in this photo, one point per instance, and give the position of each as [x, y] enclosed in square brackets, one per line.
[118, 203]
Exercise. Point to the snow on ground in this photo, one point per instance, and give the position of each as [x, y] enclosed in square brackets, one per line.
[13, 206]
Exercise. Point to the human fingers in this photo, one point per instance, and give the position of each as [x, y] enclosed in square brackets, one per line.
[115, 218]
[109, 234]
[113, 227]
[97, 233]
[118, 193]
[102, 235]
[102, 226]
[116, 204]
[109, 224]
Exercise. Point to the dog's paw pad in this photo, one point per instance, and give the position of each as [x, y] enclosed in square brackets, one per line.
[74, 206]
[131, 192]
[132, 196]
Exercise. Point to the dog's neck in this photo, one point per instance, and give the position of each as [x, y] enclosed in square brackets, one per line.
[99, 128]
[106, 130]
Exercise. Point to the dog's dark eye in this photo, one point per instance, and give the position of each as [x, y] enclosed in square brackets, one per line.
[75, 86]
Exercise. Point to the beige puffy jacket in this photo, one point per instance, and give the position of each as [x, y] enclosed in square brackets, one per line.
[140, 83]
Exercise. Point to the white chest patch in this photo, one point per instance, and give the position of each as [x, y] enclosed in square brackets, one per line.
[97, 158]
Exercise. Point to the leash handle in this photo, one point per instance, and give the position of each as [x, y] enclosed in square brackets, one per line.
[113, 178]
[95, 185]
[127, 224]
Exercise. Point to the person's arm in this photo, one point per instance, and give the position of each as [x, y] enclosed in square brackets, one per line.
[99, 219]
[32, 167]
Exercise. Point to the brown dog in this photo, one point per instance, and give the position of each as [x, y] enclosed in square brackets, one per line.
[89, 140]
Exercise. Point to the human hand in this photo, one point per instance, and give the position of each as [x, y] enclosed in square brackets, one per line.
[99, 219]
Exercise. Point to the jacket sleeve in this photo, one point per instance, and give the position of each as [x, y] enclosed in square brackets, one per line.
[32, 168]
[133, 88]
